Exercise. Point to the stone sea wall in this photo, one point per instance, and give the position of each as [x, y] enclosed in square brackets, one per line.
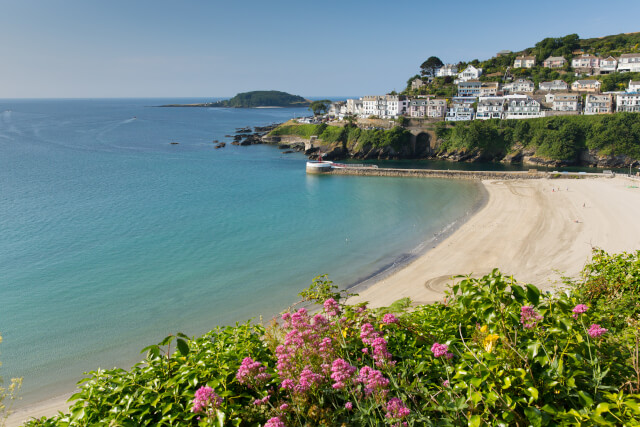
[455, 174]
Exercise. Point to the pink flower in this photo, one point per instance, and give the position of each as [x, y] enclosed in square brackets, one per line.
[373, 380]
[361, 309]
[275, 422]
[331, 307]
[348, 406]
[596, 331]
[252, 373]
[579, 309]
[445, 383]
[206, 401]
[284, 407]
[440, 350]
[389, 319]
[341, 371]
[397, 409]
[529, 317]
[262, 401]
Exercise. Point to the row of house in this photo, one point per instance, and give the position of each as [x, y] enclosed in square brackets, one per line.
[586, 64]
[478, 88]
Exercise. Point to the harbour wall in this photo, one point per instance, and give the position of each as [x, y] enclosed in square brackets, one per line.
[457, 174]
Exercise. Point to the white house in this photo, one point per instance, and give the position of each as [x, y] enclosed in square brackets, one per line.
[469, 88]
[418, 107]
[523, 108]
[567, 102]
[608, 65]
[585, 64]
[554, 85]
[629, 62]
[469, 73]
[554, 62]
[586, 86]
[598, 104]
[447, 70]
[524, 62]
[489, 89]
[633, 86]
[436, 108]
[519, 86]
[491, 107]
[459, 113]
[354, 107]
[337, 109]
[628, 102]
[384, 106]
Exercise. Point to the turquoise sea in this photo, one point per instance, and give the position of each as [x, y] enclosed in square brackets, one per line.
[111, 238]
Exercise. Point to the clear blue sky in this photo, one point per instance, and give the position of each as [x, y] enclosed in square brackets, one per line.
[208, 48]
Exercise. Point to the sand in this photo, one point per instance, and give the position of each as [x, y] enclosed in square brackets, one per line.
[535, 230]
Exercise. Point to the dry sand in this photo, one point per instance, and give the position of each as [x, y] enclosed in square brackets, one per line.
[525, 229]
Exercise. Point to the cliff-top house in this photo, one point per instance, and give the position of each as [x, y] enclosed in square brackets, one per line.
[629, 62]
[558, 85]
[524, 62]
[447, 70]
[586, 86]
[608, 65]
[469, 73]
[598, 104]
[554, 62]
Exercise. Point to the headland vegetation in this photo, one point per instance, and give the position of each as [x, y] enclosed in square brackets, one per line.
[254, 99]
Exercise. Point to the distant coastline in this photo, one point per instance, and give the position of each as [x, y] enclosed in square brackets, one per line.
[255, 99]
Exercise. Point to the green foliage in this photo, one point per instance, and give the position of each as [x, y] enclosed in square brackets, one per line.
[263, 98]
[320, 107]
[559, 138]
[502, 368]
[429, 67]
[8, 395]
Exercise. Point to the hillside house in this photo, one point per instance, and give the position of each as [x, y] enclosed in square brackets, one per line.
[490, 108]
[585, 64]
[554, 62]
[469, 88]
[469, 73]
[489, 89]
[629, 62]
[436, 108]
[524, 62]
[459, 113]
[567, 102]
[503, 53]
[598, 104]
[586, 86]
[633, 86]
[418, 107]
[608, 65]
[519, 86]
[417, 83]
[447, 70]
[628, 102]
[384, 106]
[523, 108]
[337, 109]
[354, 107]
[556, 85]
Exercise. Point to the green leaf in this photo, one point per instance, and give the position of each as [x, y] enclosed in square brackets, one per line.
[518, 293]
[183, 347]
[585, 398]
[533, 294]
[532, 349]
[602, 407]
[475, 421]
[534, 416]
[533, 392]
[507, 383]
[476, 397]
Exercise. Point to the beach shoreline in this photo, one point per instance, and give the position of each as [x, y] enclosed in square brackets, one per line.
[535, 230]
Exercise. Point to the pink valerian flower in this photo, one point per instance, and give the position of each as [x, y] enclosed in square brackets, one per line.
[341, 371]
[368, 333]
[374, 382]
[348, 406]
[380, 353]
[284, 407]
[596, 331]
[529, 317]
[331, 307]
[308, 379]
[361, 309]
[206, 401]
[275, 422]
[396, 409]
[579, 309]
[440, 350]
[262, 401]
[389, 319]
[252, 373]
[445, 383]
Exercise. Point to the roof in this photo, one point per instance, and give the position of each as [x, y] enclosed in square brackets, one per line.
[566, 96]
[555, 58]
[610, 58]
[631, 82]
[630, 55]
[525, 58]
[600, 96]
[555, 82]
[505, 51]
[586, 82]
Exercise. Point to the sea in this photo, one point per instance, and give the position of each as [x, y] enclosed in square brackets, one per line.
[112, 237]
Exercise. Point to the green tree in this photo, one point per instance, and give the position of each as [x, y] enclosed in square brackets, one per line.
[430, 66]
[320, 107]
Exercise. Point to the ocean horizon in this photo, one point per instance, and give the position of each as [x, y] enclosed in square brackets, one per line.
[114, 238]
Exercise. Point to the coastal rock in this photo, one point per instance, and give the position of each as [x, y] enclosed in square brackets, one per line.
[592, 158]
[221, 145]
[283, 146]
[311, 151]
[174, 143]
[288, 152]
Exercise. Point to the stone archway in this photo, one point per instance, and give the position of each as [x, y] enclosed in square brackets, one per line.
[422, 144]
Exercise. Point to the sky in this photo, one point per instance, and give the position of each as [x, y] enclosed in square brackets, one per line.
[214, 48]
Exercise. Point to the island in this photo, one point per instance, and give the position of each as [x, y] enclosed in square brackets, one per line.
[255, 99]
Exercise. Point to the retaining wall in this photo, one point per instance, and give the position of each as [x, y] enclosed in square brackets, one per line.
[455, 174]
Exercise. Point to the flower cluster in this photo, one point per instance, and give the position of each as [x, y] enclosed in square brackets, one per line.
[341, 371]
[331, 307]
[389, 319]
[579, 309]
[374, 382]
[396, 409]
[206, 401]
[252, 373]
[275, 422]
[529, 317]
[596, 331]
[440, 350]
[370, 337]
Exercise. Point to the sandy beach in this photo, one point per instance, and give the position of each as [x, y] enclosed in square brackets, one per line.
[536, 230]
